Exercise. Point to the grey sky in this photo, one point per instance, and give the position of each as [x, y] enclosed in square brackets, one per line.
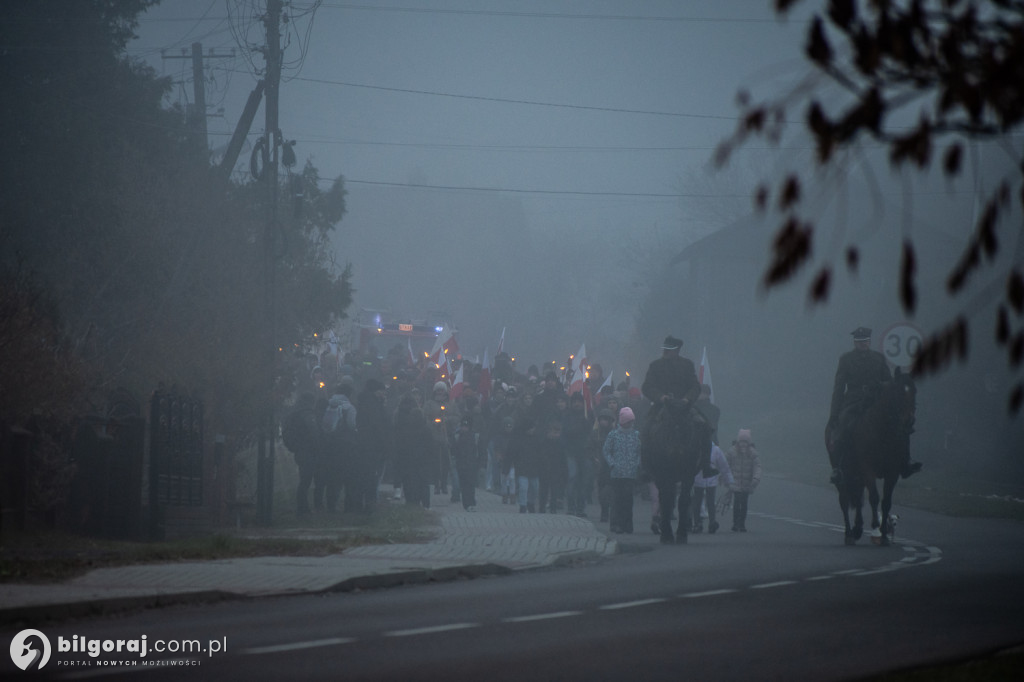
[686, 59]
[544, 100]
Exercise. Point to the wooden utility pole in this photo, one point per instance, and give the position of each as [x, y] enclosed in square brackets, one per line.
[271, 145]
[198, 80]
[197, 114]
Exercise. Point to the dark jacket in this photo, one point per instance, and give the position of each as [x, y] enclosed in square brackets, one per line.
[673, 375]
[524, 447]
[414, 453]
[575, 431]
[859, 375]
[373, 427]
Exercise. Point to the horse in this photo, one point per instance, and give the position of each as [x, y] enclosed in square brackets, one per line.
[878, 446]
[672, 444]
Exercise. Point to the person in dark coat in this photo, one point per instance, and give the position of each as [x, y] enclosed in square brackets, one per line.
[576, 428]
[373, 428]
[464, 452]
[525, 450]
[414, 454]
[859, 377]
[302, 437]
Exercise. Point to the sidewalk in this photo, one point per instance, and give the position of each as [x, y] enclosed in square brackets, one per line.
[494, 539]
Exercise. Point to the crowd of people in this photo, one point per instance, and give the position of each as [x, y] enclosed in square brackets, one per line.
[517, 436]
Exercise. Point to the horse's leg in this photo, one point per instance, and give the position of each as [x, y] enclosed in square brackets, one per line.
[873, 500]
[858, 503]
[684, 511]
[844, 504]
[888, 485]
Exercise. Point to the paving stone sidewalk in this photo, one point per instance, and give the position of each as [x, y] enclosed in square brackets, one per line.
[493, 539]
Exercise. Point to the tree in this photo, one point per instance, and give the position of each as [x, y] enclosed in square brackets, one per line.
[962, 63]
[149, 262]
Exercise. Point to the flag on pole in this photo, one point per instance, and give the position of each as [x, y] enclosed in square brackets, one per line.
[484, 387]
[501, 342]
[579, 369]
[412, 358]
[607, 382]
[444, 344]
[704, 373]
[458, 383]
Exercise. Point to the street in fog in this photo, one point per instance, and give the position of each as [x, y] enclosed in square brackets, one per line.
[785, 600]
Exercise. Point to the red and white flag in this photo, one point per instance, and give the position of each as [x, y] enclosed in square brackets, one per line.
[501, 342]
[704, 373]
[579, 371]
[484, 387]
[458, 383]
[445, 344]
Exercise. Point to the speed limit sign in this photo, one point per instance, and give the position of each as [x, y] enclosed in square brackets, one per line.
[901, 343]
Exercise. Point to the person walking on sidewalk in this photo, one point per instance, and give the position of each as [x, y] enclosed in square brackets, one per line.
[576, 427]
[622, 452]
[745, 464]
[465, 455]
[301, 435]
[415, 454]
[524, 448]
[595, 450]
[704, 489]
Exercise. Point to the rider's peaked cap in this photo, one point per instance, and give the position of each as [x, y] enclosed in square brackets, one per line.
[672, 343]
[861, 334]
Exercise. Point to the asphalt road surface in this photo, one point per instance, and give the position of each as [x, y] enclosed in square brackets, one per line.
[786, 600]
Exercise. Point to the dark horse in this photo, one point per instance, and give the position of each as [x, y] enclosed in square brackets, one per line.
[878, 446]
[675, 442]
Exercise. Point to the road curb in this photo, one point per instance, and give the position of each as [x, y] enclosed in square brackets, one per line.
[100, 607]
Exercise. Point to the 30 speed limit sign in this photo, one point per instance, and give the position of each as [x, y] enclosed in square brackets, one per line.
[901, 343]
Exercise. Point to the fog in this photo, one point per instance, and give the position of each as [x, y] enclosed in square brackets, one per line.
[545, 169]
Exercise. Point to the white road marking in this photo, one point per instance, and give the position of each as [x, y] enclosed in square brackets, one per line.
[431, 629]
[294, 646]
[708, 593]
[630, 604]
[779, 583]
[541, 616]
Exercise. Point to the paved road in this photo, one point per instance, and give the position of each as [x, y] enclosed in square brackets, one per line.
[786, 600]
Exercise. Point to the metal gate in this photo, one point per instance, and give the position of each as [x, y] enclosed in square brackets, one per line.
[175, 455]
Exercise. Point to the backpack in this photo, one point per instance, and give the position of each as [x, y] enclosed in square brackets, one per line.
[338, 433]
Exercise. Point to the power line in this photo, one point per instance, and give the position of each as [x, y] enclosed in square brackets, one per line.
[551, 192]
[415, 185]
[505, 100]
[546, 15]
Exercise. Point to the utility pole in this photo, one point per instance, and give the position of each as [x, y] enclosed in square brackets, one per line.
[197, 115]
[199, 87]
[271, 142]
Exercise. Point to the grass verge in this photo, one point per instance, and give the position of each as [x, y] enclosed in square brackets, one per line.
[52, 556]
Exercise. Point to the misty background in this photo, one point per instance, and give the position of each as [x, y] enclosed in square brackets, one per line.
[545, 168]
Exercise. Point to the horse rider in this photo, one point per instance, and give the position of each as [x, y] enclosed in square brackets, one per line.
[671, 385]
[859, 377]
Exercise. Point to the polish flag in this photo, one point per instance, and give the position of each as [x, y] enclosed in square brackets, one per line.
[458, 384]
[484, 387]
[445, 344]
[579, 370]
[704, 373]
